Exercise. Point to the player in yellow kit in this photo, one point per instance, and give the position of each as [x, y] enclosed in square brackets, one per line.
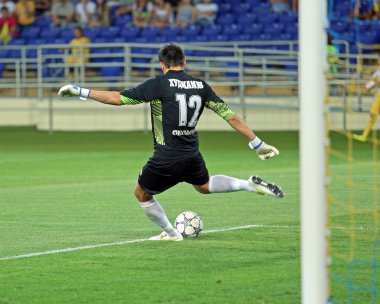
[373, 84]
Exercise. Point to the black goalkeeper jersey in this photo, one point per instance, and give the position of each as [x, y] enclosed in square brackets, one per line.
[177, 101]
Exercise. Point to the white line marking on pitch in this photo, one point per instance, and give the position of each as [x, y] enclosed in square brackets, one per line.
[35, 254]
[30, 255]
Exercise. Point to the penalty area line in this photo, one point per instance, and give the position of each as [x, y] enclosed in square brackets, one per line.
[56, 251]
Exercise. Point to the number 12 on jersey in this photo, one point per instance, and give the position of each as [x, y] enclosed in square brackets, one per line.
[195, 102]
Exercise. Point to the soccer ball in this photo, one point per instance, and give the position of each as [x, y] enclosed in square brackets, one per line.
[189, 224]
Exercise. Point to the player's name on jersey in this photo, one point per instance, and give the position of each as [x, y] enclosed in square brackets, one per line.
[187, 84]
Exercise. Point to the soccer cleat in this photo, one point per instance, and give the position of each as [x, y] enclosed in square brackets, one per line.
[360, 138]
[165, 237]
[264, 188]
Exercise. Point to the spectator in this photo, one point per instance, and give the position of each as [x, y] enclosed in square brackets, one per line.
[85, 11]
[295, 6]
[8, 25]
[174, 5]
[142, 13]
[126, 7]
[42, 6]
[161, 13]
[10, 5]
[25, 11]
[62, 13]
[78, 54]
[206, 13]
[185, 13]
[101, 17]
[363, 10]
[280, 6]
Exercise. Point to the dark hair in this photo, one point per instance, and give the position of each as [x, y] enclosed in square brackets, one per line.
[4, 8]
[78, 28]
[171, 55]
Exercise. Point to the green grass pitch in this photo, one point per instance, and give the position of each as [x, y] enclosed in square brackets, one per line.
[74, 189]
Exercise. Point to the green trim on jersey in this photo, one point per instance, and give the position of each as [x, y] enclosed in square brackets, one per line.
[220, 108]
[129, 101]
[158, 132]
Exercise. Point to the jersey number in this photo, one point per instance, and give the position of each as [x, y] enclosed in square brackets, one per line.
[195, 101]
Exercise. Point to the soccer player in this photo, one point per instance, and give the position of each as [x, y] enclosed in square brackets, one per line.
[177, 101]
[375, 109]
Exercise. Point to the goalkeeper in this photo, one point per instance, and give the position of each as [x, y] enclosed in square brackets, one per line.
[371, 85]
[177, 101]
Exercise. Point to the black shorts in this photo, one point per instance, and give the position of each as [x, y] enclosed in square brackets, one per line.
[159, 175]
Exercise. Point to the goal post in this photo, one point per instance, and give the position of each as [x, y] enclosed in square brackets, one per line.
[312, 62]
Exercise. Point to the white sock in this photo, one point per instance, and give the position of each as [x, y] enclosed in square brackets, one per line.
[223, 183]
[157, 215]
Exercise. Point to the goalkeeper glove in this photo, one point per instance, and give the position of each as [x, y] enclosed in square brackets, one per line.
[263, 150]
[70, 90]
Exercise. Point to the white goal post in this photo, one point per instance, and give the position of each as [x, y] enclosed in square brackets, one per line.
[312, 88]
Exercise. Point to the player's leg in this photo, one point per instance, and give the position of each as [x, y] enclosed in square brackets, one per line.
[198, 176]
[151, 182]
[372, 119]
[225, 184]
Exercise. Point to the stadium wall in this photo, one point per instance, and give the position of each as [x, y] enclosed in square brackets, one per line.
[265, 113]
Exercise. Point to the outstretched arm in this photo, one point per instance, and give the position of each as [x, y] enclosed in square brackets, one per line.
[112, 98]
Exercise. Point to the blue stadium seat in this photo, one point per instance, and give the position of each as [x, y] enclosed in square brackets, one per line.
[100, 40]
[198, 38]
[264, 37]
[338, 26]
[128, 32]
[4, 54]
[92, 32]
[232, 30]
[170, 32]
[212, 30]
[67, 35]
[226, 19]
[254, 29]
[266, 19]
[262, 6]
[2, 68]
[247, 19]
[274, 29]
[241, 37]
[59, 41]
[17, 42]
[284, 36]
[288, 18]
[111, 72]
[224, 8]
[100, 52]
[110, 31]
[190, 31]
[30, 32]
[180, 39]
[241, 8]
[50, 33]
[122, 21]
[43, 22]
[292, 30]
[368, 37]
[219, 37]
[39, 41]
[150, 32]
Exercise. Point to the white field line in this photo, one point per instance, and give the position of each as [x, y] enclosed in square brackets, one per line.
[56, 251]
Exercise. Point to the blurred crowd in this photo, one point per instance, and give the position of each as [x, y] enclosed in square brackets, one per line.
[84, 13]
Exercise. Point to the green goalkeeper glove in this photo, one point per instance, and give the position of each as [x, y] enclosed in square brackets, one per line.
[70, 90]
[263, 150]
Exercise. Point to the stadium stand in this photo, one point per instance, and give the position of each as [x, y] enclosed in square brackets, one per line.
[241, 20]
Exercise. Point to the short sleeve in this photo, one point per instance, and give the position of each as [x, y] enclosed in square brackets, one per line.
[148, 91]
[216, 104]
